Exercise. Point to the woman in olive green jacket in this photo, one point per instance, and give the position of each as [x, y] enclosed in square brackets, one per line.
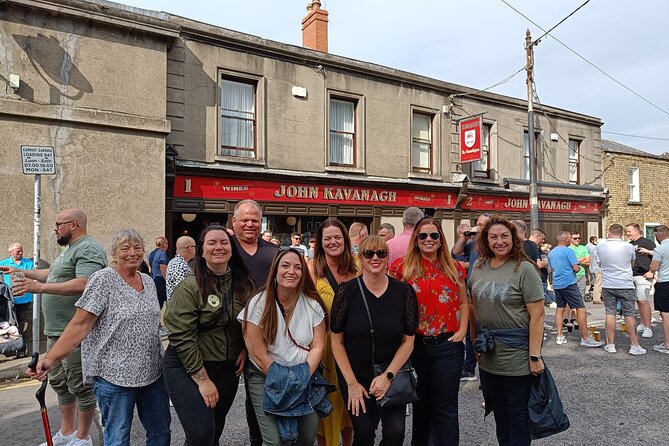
[206, 354]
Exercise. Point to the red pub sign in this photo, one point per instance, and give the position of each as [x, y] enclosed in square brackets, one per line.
[470, 139]
[239, 189]
[511, 204]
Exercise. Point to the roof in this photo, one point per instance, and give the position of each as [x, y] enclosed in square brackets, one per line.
[616, 147]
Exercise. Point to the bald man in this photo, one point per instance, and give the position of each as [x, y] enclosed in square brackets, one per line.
[24, 303]
[177, 268]
[61, 287]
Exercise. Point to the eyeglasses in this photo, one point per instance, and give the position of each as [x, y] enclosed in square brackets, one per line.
[425, 235]
[576, 238]
[369, 254]
[296, 238]
[58, 225]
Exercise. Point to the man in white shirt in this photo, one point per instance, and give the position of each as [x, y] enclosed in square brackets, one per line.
[616, 258]
[660, 264]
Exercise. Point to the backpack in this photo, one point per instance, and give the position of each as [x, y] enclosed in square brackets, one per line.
[546, 413]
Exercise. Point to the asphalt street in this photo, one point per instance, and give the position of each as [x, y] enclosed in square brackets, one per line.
[610, 399]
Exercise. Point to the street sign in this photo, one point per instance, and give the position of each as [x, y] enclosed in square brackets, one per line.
[470, 139]
[38, 160]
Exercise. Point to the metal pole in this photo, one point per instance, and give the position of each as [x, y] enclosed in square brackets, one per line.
[37, 298]
[534, 202]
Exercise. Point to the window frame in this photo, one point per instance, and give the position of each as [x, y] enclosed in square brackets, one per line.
[484, 174]
[631, 171]
[416, 169]
[526, 158]
[330, 163]
[574, 162]
[220, 146]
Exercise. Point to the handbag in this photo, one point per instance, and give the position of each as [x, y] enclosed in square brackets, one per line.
[402, 389]
[546, 414]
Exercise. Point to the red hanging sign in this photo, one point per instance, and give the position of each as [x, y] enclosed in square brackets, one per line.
[471, 130]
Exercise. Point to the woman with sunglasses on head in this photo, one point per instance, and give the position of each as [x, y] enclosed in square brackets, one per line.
[508, 299]
[333, 263]
[206, 352]
[394, 316]
[284, 329]
[443, 317]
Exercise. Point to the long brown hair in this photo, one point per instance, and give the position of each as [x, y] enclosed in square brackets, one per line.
[346, 260]
[413, 260]
[269, 320]
[485, 253]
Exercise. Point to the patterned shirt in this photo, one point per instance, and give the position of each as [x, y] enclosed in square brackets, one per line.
[177, 270]
[124, 345]
[438, 299]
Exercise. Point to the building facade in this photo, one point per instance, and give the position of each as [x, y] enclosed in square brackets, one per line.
[635, 181]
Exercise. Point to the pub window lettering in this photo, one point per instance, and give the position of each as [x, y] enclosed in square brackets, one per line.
[574, 161]
[342, 132]
[421, 143]
[633, 184]
[238, 118]
[481, 168]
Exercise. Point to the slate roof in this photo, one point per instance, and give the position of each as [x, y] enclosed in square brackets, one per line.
[616, 147]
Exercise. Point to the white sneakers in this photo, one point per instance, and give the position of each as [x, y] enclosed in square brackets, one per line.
[589, 342]
[662, 348]
[646, 332]
[637, 350]
[610, 348]
[559, 340]
[69, 440]
[552, 305]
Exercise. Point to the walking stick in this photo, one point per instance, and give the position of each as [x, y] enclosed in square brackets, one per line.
[40, 397]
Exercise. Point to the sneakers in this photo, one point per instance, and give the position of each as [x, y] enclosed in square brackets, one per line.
[565, 322]
[62, 440]
[640, 328]
[574, 323]
[467, 376]
[79, 442]
[637, 350]
[647, 333]
[552, 305]
[610, 348]
[548, 326]
[589, 342]
[559, 340]
[662, 348]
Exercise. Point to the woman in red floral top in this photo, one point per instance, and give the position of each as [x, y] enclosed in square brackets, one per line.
[443, 321]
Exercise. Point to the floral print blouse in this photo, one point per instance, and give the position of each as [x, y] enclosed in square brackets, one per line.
[438, 299]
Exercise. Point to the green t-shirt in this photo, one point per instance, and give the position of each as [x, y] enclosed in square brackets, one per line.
[80, 259]
[580, 251]
[500, 296]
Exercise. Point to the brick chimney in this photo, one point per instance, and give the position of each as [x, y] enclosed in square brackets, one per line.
[315, 27]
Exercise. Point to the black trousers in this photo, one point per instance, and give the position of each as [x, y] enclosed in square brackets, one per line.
[161, 288]
[365, 424]
[202, 426]
[507, 396]
[24, 317]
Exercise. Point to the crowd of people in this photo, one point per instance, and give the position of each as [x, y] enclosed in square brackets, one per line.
[320, 333]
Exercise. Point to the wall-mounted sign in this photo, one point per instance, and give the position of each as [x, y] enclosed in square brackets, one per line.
[38, 160]
[471, 130]
[514, 204]
[239, 189]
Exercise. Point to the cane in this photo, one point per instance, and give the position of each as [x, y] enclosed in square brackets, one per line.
[40, 397]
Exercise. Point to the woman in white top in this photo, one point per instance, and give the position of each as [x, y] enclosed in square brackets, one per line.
[285, 324]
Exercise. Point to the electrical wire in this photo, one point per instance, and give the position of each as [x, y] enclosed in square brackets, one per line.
[588, 62]
[637, 136]
[503, 81]
[559, 23]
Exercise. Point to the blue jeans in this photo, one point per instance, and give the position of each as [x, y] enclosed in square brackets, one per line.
[549, 296]
[507, 397]
[118, 403]
[435, 415]
[469, 365]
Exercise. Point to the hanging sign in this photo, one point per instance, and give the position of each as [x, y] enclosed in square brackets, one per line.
[471, 130]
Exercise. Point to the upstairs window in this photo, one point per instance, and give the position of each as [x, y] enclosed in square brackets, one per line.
[574, 161]
[342, 133]
[633, 184]
[238, 119]
[526, 153]
[481, 169]
[421, 143]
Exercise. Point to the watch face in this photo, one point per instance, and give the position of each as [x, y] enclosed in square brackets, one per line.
[390, 375]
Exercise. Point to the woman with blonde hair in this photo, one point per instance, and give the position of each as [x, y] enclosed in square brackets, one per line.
[443, 317]
[333, 264]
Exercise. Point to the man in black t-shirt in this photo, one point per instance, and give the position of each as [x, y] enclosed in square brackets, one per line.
[532, 251]
[641, 267]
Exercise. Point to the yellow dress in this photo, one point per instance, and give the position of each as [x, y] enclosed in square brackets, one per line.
[331, 426]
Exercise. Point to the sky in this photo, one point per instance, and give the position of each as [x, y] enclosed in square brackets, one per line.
[478, 43]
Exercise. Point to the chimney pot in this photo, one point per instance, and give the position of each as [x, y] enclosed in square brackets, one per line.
[315, 27]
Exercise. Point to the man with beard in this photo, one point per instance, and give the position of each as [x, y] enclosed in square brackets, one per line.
[61, 287]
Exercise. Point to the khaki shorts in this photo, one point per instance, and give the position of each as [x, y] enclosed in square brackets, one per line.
[67, 380]
[642, 288]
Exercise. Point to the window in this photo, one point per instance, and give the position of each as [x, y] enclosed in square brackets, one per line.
[238, 119]
[481, 169]
[526, 153]
[633, 184]
[574, 163]
[342, 132]
[421, 143]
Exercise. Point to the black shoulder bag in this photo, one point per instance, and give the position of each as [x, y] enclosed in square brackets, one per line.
[331, 280]
[402, 389]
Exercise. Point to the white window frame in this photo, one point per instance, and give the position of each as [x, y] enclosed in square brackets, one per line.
[574, 160]
[525, 174]
[429, 170]
[633, 185]
[358, 165]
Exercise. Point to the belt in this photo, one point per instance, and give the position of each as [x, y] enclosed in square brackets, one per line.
[439, 339]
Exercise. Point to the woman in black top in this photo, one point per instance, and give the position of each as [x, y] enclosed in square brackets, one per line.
[394, 312]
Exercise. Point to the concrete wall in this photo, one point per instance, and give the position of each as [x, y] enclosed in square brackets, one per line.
[93, 87]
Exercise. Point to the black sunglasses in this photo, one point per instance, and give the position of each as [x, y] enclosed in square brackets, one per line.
[369, 254]
[432, 235]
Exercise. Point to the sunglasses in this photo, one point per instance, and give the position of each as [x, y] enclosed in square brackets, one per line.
[425, 235]
[369, 254]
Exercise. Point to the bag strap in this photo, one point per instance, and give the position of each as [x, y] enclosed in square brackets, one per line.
[331, 280]
[369, 317]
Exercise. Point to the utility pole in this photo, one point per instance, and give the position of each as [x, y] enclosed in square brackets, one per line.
[534, 202]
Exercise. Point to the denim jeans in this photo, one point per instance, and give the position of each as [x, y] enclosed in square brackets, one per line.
[202, 426]
[507, 397]
[435, 415]
[469, 365]
[117, 405]
[549, 296]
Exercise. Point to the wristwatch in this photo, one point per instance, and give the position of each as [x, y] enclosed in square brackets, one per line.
[390, 375]
[536, 358]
